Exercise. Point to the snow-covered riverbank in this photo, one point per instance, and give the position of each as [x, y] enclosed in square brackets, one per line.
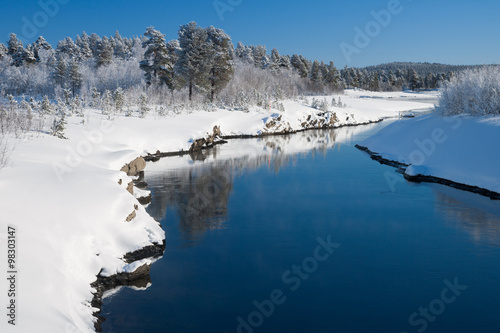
[68, 201]
[456, 151]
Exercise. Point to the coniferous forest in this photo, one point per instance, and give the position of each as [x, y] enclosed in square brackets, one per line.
[200, 68]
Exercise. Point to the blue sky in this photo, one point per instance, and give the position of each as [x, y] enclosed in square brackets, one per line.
[446, 31]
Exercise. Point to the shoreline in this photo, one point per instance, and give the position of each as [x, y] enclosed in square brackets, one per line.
[140, 276]
[419, 178]
[90, 231]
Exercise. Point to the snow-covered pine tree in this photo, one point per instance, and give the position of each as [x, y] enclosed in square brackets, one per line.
[38, 45]
[83, 45]
[316, 75]
[59, 125]
[375, 82]
[3, 51]
[159, 58]
[332, 77]
[105, 52]
[275, 63]
[221, 60]
[107, 102]
[60, 71]
[122, 50]
[240, 50]
[143, 106]
[29, 55]
[46, 107]
[414, 79]
[259, 52]
[192, 66]
[96, 98]
[299, 66]
[94, 40]
[119, 99]
[15, 50]
[74, 75]
[67, 96]
[68, 48]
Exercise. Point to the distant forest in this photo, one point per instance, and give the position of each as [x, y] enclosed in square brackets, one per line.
[201, 67]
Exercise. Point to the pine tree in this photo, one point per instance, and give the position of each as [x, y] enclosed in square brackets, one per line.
[119, 99]
[46, 105]
[68, 48]
[122, 50]
[67, 96]
[414, 79]
[192, 66]
[275, 63]
[316, 75]
[259, 52]
[94, 40]
[375, 82]
[221, 60]
[104, 52]
[107, 102]
[29, 55]
[299, 65]
[60, 71]
[143, 106]
[74, 76]
[159, 59]
[59, 126]
[15, 50]
[3, 51]
[83, 45]
[331, 76]
[96, 98]
[40, 44]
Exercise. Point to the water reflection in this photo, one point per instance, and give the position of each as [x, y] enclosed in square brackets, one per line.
[478, 216]
[198, 186]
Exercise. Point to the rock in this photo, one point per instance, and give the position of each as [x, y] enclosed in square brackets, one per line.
[131, 216]
[145, 200]
[130, 187]
[216, 131]
[139, 274]
[134, 167]
[197, 145]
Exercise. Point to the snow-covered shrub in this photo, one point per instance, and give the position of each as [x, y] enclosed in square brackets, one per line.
[474, 92]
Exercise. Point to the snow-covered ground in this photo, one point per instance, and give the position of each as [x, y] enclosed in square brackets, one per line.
[462, 149]
[68, 206]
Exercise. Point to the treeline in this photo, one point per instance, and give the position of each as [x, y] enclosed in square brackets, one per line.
[201, 66]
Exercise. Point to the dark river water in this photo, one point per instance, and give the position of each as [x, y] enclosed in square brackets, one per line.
[305, 233]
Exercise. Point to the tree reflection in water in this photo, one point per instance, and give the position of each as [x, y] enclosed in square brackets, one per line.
[200, 190]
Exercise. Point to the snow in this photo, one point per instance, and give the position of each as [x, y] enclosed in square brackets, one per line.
[69, 209]
[459, 148]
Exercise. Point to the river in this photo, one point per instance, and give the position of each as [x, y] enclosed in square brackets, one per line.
[305, 233]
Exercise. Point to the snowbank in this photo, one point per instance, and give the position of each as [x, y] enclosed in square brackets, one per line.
[461, 149]
[69, 203]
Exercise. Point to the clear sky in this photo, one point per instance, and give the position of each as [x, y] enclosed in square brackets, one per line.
[445, 31]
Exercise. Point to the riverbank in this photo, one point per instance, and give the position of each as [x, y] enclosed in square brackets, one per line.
[69, 202]
[456, 151]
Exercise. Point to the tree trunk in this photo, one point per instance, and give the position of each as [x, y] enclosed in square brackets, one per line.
[190, 91]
